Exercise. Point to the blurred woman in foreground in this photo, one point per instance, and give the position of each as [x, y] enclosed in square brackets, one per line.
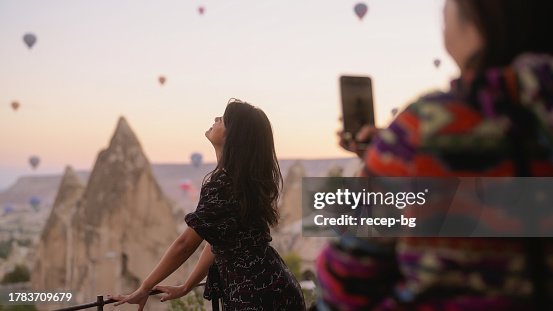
[496, 120]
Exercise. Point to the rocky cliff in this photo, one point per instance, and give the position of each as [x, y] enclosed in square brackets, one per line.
[287, 237]
[290, 202]
[107, 237]
[54, 252]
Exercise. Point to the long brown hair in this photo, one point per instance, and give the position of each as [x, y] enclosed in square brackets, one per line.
[509, 28]
[249, 158]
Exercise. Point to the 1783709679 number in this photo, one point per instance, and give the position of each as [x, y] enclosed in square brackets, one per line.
[30, 297]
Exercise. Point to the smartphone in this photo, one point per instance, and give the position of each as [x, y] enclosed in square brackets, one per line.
[357, 104]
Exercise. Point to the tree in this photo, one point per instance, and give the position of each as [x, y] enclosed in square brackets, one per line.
[19, 274]
[293, 261]
[5, 248]
[191, 302]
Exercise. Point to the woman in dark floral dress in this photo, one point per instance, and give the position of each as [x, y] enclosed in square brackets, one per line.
[248, 273]
[236, 209]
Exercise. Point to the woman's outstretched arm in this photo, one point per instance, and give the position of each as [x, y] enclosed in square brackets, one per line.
[179, 251]
[201, 269]
[199, 273]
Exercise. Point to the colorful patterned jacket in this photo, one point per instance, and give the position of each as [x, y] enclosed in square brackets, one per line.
[495, 123]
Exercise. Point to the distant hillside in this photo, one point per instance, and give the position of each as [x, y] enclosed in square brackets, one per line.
[169, 177]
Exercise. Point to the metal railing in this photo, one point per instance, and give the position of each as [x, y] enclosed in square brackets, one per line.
[100, 302]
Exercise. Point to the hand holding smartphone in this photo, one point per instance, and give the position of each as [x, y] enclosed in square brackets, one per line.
[357, 106]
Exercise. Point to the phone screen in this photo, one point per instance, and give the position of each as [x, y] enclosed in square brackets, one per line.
[357, 103]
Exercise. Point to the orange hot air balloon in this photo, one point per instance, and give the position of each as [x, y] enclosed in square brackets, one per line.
[201, 10]
[161, 80]
[15, 105]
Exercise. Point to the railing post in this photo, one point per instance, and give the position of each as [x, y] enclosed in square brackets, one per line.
[100, 302]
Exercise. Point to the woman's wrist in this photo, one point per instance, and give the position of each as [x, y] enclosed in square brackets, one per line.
[146, 286]
[185, 288]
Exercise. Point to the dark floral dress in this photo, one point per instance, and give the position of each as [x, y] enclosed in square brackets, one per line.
[248, 274]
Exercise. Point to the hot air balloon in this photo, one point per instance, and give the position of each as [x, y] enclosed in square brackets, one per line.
[29, 39]
[8, 209]
[201, 10]
[437, 63]
[196, 159]
[15, 105]
[186, 185]
[161, 80]
[394, 111]
[34, 161]
[360, 10]
[35, 202]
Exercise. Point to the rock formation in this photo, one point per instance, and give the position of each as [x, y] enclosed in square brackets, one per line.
[288, 235]
[53, 256]
[122, 226]
[290, 203]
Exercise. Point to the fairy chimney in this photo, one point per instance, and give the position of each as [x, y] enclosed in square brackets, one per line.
[53, 256]
[290, 204]
[124, 223]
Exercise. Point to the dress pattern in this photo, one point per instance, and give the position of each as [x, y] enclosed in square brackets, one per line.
[248, 274]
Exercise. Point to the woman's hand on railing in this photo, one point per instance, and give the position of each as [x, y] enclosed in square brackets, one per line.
[172, 292]
[139, 296]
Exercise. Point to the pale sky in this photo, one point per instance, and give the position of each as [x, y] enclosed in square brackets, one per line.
[96, 60]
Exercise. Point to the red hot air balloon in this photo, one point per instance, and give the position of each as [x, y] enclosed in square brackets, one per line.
[201, 10]
[188, 188]
[186, 185]
[161, 80]
[15, 105]
[360, 10]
